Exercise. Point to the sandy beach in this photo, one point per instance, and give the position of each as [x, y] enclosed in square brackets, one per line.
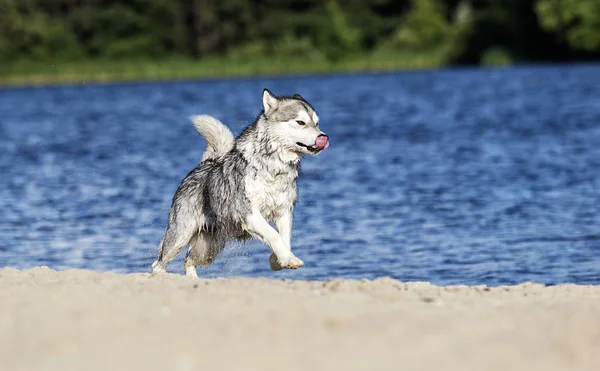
[83, 320]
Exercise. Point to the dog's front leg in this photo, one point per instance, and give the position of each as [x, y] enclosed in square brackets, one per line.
[282, 256]
[284, 226]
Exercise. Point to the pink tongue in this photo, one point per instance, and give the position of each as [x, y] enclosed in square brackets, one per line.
[322, 142]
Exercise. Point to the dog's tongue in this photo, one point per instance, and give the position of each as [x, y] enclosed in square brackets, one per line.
[322, 142]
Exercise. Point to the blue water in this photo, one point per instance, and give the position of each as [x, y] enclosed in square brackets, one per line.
[453, 177]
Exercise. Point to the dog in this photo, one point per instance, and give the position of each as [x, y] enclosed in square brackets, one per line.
[241, 184]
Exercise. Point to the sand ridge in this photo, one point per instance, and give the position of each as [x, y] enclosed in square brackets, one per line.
[78, 319]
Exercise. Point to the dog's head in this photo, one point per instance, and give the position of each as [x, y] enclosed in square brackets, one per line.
[294, 124]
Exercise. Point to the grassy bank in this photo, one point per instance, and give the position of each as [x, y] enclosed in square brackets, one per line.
[45, 73]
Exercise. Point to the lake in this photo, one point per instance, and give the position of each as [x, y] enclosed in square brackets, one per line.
[454, 177]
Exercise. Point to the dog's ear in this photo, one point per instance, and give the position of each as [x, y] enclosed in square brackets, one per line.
[270, 101]
[298, 96]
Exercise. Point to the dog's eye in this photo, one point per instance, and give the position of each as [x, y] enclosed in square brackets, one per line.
[317, 124]
[301, 123]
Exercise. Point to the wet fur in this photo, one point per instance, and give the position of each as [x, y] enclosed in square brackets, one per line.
[239, 185]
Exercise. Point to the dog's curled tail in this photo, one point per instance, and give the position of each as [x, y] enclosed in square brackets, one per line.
[219, 139]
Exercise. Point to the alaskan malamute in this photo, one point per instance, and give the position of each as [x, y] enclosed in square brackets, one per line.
[242, 184]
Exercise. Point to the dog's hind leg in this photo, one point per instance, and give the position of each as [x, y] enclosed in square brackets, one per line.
[202, 252]
[177, 236]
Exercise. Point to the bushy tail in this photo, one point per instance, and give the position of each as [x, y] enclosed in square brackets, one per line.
[219, 139]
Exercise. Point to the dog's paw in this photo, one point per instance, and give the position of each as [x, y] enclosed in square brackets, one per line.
[289, 262]
[157, 268]
[190, 271]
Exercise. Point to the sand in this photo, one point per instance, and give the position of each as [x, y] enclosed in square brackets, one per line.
[82, 320]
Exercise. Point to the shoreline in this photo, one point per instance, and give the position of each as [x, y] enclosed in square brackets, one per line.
[209, 78]
[28, 73]
[78, 319]
[209, 71]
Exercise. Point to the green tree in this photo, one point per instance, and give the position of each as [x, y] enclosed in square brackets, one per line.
[460, 31]
[125, 29]
[575, 21]
[36, 29]
[337, 36]
[424, 26]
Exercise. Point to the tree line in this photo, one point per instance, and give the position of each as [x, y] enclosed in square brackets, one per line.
[461, 31]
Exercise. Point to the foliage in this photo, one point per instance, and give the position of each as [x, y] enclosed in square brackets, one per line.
[460, 31]
[496, 57]
[337, 36]
[319, 31]
[575, 21]
[424, 26]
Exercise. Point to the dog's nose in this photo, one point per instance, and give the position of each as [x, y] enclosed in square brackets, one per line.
[322, 142]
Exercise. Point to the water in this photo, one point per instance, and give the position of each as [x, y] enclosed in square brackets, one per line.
[452, 177]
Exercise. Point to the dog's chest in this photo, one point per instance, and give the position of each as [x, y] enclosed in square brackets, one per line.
[272, 189]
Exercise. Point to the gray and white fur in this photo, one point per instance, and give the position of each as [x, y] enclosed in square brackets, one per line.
[243, 183]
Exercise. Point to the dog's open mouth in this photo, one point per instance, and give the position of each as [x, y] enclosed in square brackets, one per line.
[321, 143]
[312, 148]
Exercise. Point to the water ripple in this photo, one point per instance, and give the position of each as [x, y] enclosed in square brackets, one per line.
[454, 177]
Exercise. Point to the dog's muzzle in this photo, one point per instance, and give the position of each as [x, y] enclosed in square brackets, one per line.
[321, 143]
